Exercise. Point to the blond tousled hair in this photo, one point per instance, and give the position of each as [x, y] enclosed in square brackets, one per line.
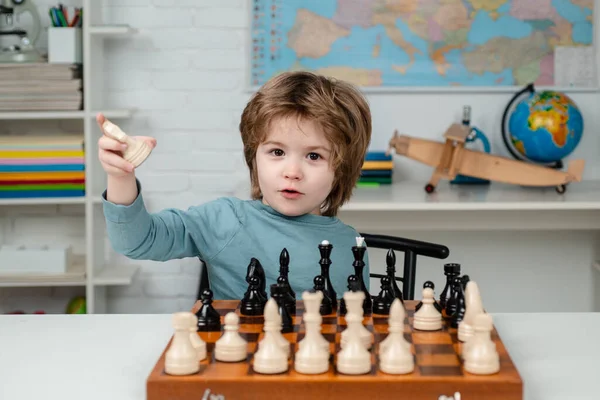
[337, 107]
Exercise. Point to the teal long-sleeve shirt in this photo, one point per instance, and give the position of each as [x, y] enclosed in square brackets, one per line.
[226, 233]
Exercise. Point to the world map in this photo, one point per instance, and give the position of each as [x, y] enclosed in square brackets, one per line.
[391, 43]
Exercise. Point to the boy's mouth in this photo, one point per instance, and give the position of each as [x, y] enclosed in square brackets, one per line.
[290, 193]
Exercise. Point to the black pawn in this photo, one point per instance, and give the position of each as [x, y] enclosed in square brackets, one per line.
[429, 284]
[326, 307]
[359, 265]
[459, 314]
[284, 270]
[451, 270]
[390, 261]
[209, 319]
[353, 286]
[253, 302]
[383, 301]
[278, 293]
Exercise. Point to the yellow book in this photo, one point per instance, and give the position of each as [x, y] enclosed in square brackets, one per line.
[38, 176]
[40, 153]
[371, 165]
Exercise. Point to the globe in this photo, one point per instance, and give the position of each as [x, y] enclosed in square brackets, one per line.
[545, 127]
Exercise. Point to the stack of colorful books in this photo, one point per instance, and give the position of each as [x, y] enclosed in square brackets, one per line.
[377, 169]
[42, 166]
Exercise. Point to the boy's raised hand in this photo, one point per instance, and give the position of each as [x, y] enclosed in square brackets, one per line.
[110, 151]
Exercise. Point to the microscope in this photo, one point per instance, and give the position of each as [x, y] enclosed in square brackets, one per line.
[25, 52]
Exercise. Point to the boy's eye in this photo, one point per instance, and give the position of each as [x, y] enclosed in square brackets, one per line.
[277, 152]
[314, 156]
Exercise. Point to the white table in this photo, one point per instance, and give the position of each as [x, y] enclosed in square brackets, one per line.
[98, 357]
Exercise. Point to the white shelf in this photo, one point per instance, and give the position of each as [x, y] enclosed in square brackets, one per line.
[112, 30]
[74, 277]
[47, 115]
[411, 196]
[42, 201]
[116, 275]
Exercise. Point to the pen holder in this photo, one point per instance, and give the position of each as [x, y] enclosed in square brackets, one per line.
[64, 45]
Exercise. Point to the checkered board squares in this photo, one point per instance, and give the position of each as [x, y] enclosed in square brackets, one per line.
[438, 366]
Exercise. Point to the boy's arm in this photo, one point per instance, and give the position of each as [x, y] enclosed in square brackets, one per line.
[170, 233]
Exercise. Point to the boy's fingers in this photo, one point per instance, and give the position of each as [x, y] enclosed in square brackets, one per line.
[115, 161]
[108, 143]
[100, 118]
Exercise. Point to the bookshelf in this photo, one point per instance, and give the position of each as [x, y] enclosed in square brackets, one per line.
[91, 271]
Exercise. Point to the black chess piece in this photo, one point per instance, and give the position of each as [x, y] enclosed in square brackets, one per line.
[279, 292]
[459, 314]
[284, 270]
[255, 268]
[326, 307]
[431, 285]
[283, 296]
[383, 301]
[452, 302]
[353, 286]
[209, 319]
[325, 263]
[390, 261]
[253, 302]
[359, 265]
[451, 270]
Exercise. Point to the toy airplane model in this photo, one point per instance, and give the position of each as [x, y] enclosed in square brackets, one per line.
[451, 159]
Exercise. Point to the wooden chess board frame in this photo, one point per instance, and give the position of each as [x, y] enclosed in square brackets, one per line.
[438, 367]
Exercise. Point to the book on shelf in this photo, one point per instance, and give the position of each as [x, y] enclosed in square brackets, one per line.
[377, 169]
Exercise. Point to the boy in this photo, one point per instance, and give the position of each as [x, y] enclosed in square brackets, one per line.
[305, 139]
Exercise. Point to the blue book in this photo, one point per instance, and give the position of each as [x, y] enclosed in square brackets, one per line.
[377, 156]
[42, 167]
[16, 194]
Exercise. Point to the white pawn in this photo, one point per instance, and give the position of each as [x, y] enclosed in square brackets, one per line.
[312, 356]
[273, 322]
[395, 323]
[482, 358]
[198, 343]
[395, 356]
[473, 307]
[270, 357]
[354, 307]
[428, 318]
[231, 347]
[137, 150]
[182, 357]
[353, 358]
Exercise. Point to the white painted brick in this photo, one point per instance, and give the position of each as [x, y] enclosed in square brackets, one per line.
[221, 17]
[194, 38]
[194, 80]
[169, 286]
[218, 140]
[161, 183]
[121, 54]
[151, 17]
[200, 3]
[210, 182]
[127, 79]
[197, 161]
[181, 201]
[220, 58]
[198, 120]
[218, 100]
[126, 3]
[144, 305]
[148, 99]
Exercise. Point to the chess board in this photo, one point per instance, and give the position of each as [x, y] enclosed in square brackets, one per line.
[438, 367]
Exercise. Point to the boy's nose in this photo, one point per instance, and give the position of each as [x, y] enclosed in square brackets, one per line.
[293, 172]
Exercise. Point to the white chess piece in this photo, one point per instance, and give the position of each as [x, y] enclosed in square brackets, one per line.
[353, 358]
[395, 356]
[231, 347]
[482, 358]
[137, 150]
[312, 356]
[354, 307]
[473, 307]
[198, 343]
[428, 318]
[395, 321]
[270, 357]
[273, 322]
[182, 358]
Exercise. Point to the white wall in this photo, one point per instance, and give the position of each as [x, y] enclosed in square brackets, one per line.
[185, 73]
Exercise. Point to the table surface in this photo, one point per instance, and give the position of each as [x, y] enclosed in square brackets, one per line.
[109, 356]
[411, 196]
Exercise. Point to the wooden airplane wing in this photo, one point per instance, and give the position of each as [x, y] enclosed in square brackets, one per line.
[457, 132]
[428, 152]
[501, 169]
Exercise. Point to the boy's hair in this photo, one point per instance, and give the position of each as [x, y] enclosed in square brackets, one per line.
[337, 107]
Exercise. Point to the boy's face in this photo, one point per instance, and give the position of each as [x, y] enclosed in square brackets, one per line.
[293, 168]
